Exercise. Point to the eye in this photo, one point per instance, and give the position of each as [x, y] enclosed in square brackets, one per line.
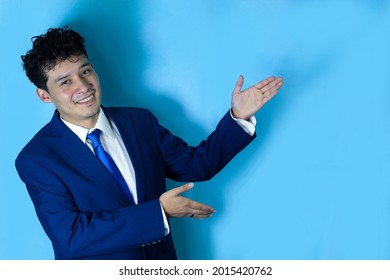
[86, 72]
[65, 82]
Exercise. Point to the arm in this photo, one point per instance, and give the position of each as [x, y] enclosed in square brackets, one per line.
[199, 163]
[105, 227]
[212, 155]
[202, 162]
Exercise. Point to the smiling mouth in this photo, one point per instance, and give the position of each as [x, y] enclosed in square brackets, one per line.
[86, 100]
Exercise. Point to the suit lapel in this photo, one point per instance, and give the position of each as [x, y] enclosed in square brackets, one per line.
[124, 123]
[83, 159]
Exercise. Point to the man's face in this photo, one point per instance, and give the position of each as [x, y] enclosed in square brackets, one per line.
[73, 87]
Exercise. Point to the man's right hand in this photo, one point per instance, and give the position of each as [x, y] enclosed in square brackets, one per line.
[177, 206]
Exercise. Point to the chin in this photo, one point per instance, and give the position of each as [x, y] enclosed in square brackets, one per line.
[94, 112]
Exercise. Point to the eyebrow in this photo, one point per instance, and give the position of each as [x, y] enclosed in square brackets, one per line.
[63, 77]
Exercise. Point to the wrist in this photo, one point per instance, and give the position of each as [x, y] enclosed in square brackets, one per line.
[237, 116]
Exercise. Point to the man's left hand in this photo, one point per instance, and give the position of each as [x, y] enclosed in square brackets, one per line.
[247, 102]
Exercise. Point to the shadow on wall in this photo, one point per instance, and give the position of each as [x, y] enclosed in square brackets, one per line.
[113, 40]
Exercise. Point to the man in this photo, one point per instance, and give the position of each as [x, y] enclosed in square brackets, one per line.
[87, 209]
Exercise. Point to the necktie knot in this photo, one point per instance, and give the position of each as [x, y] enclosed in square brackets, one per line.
[94, 137]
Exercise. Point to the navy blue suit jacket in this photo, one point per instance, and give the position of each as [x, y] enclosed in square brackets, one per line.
[79, 203]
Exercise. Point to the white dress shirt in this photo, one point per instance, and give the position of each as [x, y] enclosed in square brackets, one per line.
[113, 144]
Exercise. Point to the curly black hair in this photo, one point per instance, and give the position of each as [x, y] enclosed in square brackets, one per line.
[49, 49]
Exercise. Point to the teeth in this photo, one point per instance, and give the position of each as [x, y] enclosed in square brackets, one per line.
[85, 99]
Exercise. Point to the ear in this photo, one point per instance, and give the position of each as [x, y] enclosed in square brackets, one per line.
[43, 95]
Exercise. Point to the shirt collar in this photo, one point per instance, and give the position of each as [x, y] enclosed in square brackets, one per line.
[103, 123]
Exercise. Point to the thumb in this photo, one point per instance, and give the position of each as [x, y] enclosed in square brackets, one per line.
[240, 82]
[182, 189]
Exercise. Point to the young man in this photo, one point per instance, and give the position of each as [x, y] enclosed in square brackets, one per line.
[98, 206]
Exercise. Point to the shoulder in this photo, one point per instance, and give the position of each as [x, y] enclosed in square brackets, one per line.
[45, 140]
[126, 110]
[134, 113]
[36, 148]
[40, 137]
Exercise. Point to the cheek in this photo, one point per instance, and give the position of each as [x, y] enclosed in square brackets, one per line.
[62, 97]
[94, 80]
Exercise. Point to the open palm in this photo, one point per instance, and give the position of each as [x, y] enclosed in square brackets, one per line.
[247, 102]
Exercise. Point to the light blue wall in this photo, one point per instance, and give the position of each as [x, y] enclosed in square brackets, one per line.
[314, 185]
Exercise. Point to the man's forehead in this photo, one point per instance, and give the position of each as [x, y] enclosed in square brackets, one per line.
[71, 62]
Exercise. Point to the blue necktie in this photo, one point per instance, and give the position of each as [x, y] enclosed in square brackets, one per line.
[105, 158]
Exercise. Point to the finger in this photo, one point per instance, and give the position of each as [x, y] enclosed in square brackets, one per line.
[240, 82]
[201, 214]
[274, 85]
[200, 207]
[181, 189]
[264, 98]
[264, 82]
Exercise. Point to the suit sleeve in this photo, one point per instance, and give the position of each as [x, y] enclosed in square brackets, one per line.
[78, 234]
[202, 162]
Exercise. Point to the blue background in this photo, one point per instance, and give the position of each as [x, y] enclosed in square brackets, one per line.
[314, 185]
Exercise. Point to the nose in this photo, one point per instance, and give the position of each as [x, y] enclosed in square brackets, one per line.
[82, 85]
